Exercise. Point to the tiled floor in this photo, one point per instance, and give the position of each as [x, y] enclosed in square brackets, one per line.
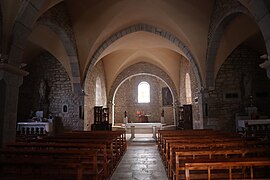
[141, 161]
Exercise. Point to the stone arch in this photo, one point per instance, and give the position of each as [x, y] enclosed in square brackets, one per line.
[221, 17]
[142, 68]
[22, 28]
[71, 52]
[261, 14]
[151, 29]
[60, 24]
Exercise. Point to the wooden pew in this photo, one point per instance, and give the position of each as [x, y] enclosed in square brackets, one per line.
[118, 137]
[197, 139]
[200, 145]
[164, 151]
[228, 166]
[43, 163]
[220, 154]
[193, 135]
[167, 133]
[115, 140]
[103, 157]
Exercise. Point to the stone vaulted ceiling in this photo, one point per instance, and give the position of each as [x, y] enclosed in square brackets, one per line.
[122, 33]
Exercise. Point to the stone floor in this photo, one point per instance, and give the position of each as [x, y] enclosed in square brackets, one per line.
[141, 161]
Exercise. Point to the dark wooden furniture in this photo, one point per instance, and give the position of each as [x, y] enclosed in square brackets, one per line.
[185, 117]
[101, 119]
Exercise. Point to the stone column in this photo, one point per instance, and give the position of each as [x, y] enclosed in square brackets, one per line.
[111, 114]
[198, 124]
[154, 130]
[176, 104]
[13, 78]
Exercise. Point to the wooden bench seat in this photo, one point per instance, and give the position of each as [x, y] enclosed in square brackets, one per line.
[214, 137]
[104, 157]
[248, 168]
[55, 162]
[174, 147]
[167, 141]
[111, 145]
[183, 155]
[118, 138]
[115, 148]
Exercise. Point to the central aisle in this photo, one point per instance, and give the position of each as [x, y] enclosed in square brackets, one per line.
[141, 162]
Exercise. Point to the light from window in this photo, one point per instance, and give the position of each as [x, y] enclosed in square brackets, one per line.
[143, 92]
[188, 89]
[98, 92]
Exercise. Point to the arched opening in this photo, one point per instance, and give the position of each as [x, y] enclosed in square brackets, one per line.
[188, 89]
[143, 92]
[125, 98]
[98, 92]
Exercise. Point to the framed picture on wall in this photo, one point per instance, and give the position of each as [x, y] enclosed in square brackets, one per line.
[167, 99]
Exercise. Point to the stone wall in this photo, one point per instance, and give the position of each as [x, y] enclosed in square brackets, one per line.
[90, 93]
[239, 78]
[57, 93]
[126, 99]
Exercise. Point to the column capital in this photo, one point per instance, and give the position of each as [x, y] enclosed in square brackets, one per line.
[266, 65]
[12, 69]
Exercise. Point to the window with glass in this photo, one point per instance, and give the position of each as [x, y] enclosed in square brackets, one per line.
[144, 92]
[188, 89]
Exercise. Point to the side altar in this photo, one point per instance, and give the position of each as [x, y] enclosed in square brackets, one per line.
[253, 125]
[35, 127]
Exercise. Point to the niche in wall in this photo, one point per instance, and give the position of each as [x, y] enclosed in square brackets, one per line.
[65, 108]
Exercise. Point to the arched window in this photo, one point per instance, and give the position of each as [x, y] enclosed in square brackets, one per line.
[188, 89]
[143, 92]
[98, 92]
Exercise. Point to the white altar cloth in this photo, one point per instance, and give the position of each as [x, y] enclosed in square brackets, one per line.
[47, 126]
[143, 125]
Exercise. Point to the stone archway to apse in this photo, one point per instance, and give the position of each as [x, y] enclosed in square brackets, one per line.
[159, 32]
[142, 68]
[114, 93]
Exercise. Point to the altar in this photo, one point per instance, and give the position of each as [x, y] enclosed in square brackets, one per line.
[34, 127]
[153, 126]
[259, 128]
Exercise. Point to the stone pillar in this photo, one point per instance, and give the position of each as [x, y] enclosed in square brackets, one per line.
[198, 124]
[110, 104]
[154, 130]
[13, 78]
[132, 132]
[176, 104]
